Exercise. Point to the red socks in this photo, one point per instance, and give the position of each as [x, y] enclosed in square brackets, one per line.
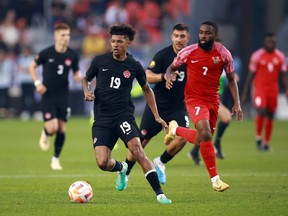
[259, 125]
[187, 134]
[208, 155]
[268, 130]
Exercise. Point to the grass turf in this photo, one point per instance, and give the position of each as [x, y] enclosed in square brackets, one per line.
[258, 180]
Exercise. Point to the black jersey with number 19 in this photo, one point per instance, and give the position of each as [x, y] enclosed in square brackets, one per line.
[56, 67]
[114, 80]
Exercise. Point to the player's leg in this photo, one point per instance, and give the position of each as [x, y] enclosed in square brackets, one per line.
[149, 128]
[271, 108]
[50, 125]
[104, 141]
[148, 168]
[260, 103]
[225, 118]
[175, 145]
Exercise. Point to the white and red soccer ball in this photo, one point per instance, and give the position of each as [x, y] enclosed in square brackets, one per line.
[80, 192]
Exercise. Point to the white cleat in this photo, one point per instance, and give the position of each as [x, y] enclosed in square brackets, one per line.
[55, 164]
[44, 141]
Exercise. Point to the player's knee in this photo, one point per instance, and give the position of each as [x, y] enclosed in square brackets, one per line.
[205, 135]
[102, 164]
[270, 115]
[261, 111]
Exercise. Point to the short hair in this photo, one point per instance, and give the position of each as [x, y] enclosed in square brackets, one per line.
[123, 29]
[61, 26]
[181, 27]
[214, 25]
[269, 34]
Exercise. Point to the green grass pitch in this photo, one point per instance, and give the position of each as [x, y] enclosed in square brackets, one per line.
[258, 180]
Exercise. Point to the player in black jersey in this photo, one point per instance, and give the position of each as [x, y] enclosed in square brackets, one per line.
[170, 103]
[113, 108]
[57, 61]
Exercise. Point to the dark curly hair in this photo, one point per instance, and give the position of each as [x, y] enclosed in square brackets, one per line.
[123, 29]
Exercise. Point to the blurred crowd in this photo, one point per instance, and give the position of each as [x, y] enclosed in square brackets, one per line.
[26, 28]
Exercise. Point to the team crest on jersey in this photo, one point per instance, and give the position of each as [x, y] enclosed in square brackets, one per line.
[152, 64]
[144, 132]
[127, 74]
[216, 59]
[68, 62]
[48, 115]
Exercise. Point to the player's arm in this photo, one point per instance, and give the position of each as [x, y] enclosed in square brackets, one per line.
[86, 86]
[150, 99]
[235, 94]
[284, 77]
[77, 76]
[247, 84]
[40, 88]
[171, 74]
[155, 77]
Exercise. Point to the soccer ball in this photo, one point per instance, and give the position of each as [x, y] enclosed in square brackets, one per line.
[80, 192]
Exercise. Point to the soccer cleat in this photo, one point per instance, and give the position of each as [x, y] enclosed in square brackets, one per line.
[121, 178]
[160, 169]
[219, 185]
[266, 147]
[194, 155]
[162, 199]
[259, 145]
[170, 136]
[44, 141]
[55, 164]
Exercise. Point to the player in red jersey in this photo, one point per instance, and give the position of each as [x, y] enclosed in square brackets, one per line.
[265, 66]
[205, 62]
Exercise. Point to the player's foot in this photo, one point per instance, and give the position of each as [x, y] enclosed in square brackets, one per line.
[171, 132]
[259, 145]
[44, 141]
[55, 164]
[219, 185]
[121, 178]
[160, 169]
[218, 152]
[266, 147]
[126, 181]
[194, 155]
[162, 199]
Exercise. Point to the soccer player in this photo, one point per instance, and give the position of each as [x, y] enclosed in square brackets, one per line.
[113, 108]
[205, 62]
[57, 61]
[265, 66]
[170, 103]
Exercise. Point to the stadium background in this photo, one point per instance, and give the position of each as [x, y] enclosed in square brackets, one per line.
[28, 24]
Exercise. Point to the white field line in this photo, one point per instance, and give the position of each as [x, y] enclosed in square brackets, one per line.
[24, 176]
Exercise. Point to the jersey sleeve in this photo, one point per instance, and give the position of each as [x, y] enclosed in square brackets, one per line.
[141, 75]
[254, 61]
[156, 65]
[40, 58]
[93, 69]
[283, 60]
[228, 60]
[75, 63]
[182, 56]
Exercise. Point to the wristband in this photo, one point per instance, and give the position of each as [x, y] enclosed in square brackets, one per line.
[37, 82]
[163, 77]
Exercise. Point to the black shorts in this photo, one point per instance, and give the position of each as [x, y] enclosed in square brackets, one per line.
[124, 128]
[150, 128]
[56, 111]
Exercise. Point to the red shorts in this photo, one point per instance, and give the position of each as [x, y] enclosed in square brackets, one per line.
[265, 101]
[203, 111]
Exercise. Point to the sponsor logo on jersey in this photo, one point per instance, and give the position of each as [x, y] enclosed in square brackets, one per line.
[127, 74]
[216, 59]
[48, 115]
[68, 62]
[152, 64]
[51, 60]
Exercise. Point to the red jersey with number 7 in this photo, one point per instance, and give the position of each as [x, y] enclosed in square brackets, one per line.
[267, 67]
[204, 70]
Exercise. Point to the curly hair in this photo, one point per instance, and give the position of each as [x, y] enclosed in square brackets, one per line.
[123, 29]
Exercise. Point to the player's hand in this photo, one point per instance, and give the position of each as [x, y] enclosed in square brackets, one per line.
[171, 79]
[41, 89]
[237, 109]
[159, 120]
[89, 96]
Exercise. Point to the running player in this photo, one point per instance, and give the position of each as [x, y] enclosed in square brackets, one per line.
[170, 103]
[57, 61]
[113, 108]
